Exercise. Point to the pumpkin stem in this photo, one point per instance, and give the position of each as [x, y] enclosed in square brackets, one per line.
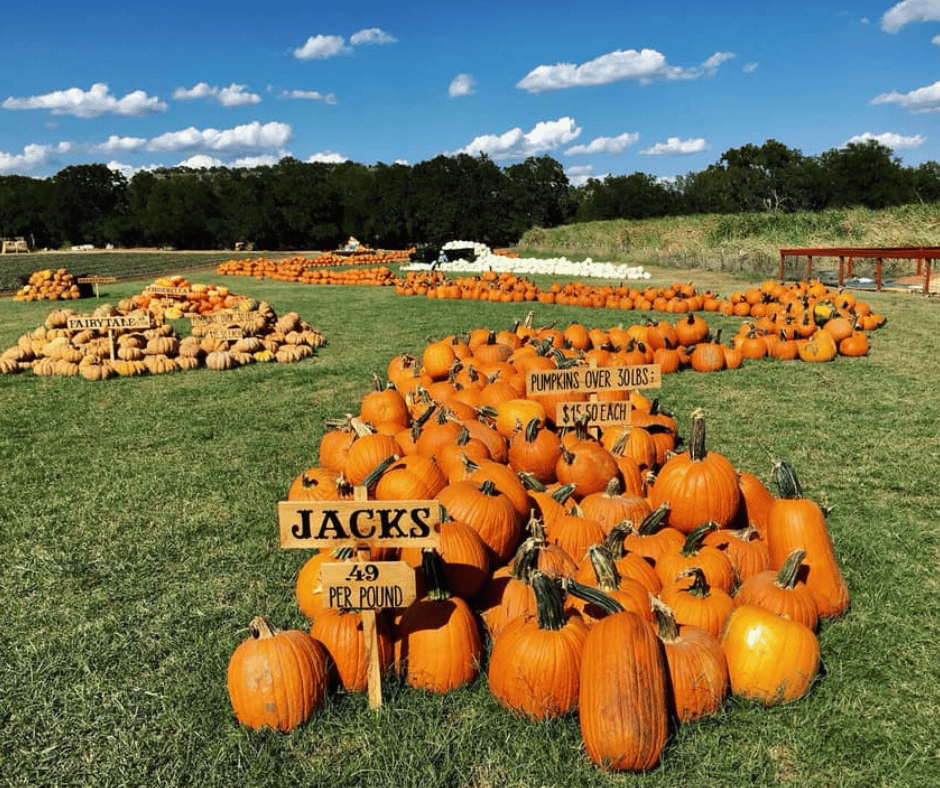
[593, 596]
[787, 576]
[693, 542]
[666, 623]
[652, 522]
[526, 559]
[532, 430]
[261, 627]
[699, 587]
[376, 473]
[613, 542]
[606, 574]
[549, 602]
[435, 580]
[788, 485]
[697, 435]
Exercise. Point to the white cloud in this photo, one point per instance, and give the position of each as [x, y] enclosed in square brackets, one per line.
[128, 171]
[265, 160]
[321, 47]
[580, 174]
[546, 135]
[461, 85]
[644, 66]
[249, 136]
[925, 99]
[612, 145]
[935, 40]
[372, 35]
[327, 157]
[116, 144]
[237, 96]
[310, 95]
[750, 68]
[676, 147]
[91, 103]
[909, 11]
[889, 139]
[32, 156]
[197, 91]
[203, 162]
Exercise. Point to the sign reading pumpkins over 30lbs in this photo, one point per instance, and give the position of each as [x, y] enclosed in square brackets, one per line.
[326, 524]
[593, 380]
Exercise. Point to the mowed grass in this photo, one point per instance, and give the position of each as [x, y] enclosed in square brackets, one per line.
[138, 518]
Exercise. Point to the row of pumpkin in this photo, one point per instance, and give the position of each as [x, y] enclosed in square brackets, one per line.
[612, 573]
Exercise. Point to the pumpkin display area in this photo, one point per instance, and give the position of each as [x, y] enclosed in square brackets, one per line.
[252, 332]
[578, 545]
[142, 541]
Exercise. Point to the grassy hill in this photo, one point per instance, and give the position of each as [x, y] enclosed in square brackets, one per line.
[745, 243]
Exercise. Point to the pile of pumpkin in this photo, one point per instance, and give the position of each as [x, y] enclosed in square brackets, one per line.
[614, 575]
[183, 299]
[377, 276]
[49, 285]
[295, 269]
[96, 354]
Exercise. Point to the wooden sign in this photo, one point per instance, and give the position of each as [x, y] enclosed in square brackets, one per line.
[368, 585]
[109, 322]
[227, 317]
[223, 332]
[326, 524]
[172, 291]
[594, 379]
[96, 280]
[597, 413]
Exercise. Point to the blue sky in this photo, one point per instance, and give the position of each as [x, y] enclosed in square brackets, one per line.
[662, 87]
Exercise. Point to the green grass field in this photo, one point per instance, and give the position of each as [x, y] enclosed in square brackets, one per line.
[138, 518]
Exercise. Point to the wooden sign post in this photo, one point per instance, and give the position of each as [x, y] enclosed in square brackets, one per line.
[109, 323]
[593, 380]
[364, 585]
[95, 281]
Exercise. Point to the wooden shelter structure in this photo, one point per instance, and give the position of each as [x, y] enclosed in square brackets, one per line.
[923, 255]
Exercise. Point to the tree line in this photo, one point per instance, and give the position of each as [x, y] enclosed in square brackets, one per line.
[309, 205]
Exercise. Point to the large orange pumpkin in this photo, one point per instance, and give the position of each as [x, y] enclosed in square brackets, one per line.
[276, 678]
[699, 485]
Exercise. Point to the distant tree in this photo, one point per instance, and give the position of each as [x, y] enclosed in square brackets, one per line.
[180, 210]
[83, 197]
[23, 201]
[387, 225]
[707, 191]
[636, 196]
[867, 174]
[540, 195]
[925, 181]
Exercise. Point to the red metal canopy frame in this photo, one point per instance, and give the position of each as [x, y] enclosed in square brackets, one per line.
[924, 255]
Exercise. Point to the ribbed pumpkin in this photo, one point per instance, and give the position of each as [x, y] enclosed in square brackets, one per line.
[466, 559]
[782, 592]
[488, 511]
[623, 702]
[535, 664]
[699, 485]
[276, 678]
[698, 670]
[341, 633]
[795, 523]
[696, 603]
[438, 646]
